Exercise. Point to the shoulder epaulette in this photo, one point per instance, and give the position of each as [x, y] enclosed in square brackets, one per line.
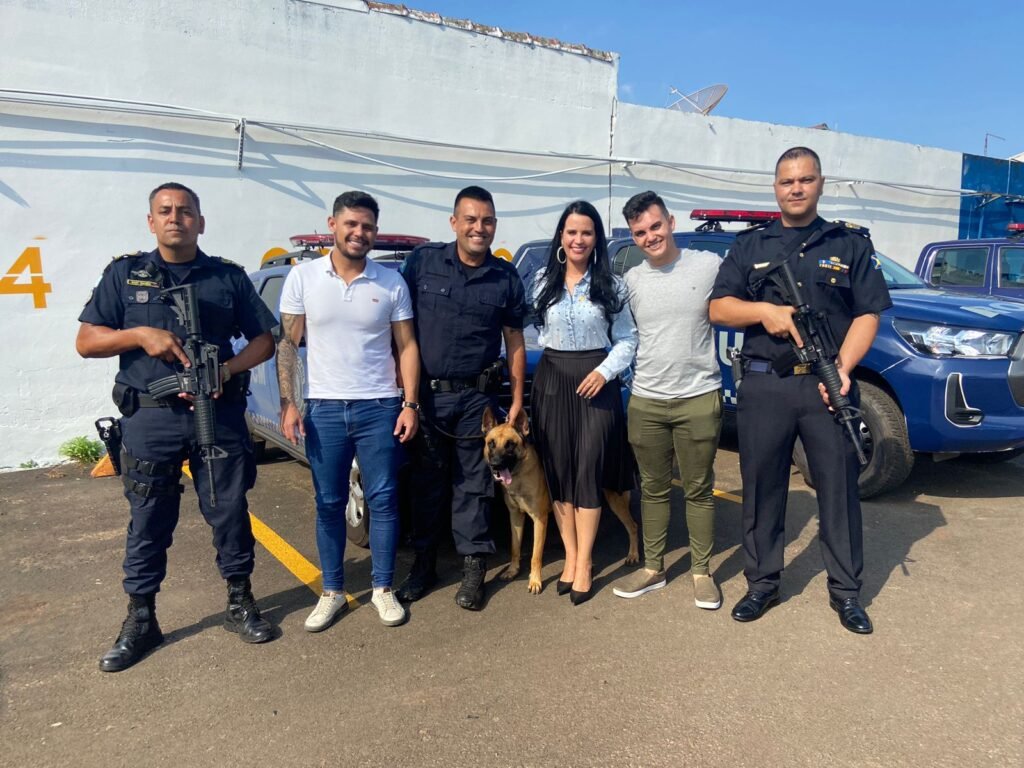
[856, 228]
[129, 255]
[754, 227]
[431, 247]
[228, 262]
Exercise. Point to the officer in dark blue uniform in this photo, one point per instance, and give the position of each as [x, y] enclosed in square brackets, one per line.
[128, 317]
[834, 265]
[465, 302]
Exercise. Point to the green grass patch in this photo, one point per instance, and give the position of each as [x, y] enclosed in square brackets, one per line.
[82, 449]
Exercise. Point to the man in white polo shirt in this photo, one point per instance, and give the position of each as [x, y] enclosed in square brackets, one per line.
[349, 308]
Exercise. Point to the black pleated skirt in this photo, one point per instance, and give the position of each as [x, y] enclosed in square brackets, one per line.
[582, 443]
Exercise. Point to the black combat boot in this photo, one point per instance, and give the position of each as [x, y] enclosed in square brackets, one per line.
[471, 593]
[420, 579]
[243, 616]
[140, 634]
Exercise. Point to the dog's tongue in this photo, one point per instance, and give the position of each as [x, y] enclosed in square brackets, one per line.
[504, 476]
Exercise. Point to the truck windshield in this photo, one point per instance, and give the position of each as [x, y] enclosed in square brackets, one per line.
[897, 276]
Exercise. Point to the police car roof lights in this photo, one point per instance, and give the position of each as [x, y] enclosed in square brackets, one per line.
[1016, 229]
[712, 217]
[384, 242]
[389, 247]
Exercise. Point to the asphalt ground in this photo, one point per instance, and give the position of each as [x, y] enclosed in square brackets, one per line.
[530, 680]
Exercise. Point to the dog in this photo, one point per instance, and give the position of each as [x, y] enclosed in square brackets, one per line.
[514, 463]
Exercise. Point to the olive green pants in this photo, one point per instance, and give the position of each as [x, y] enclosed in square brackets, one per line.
[686, 429]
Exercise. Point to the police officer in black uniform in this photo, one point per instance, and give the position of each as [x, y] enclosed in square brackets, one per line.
[465, 301]
[833, 265]
[128, 317]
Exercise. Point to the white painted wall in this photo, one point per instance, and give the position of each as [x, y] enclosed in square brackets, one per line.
[74, 179]
[900, 220]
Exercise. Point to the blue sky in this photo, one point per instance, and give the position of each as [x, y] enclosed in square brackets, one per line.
[941, 73]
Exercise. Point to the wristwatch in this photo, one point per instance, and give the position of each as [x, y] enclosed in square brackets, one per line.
[414, 406]
[225, 373]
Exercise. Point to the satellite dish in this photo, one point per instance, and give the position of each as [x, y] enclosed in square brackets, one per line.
[702, 101]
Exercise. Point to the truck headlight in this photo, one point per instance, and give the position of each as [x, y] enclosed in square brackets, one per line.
[953, 341]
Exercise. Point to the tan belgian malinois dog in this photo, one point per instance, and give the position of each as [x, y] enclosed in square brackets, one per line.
[516, 466]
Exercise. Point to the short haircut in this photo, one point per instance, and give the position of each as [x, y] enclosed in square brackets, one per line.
[355, 199]
[175, 186]
[795, 153]
[639, 203]
[474, 193]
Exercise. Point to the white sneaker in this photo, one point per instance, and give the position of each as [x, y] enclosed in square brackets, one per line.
[391, 611]
[329, 607]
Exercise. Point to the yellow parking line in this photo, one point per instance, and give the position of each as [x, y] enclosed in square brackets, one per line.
[718, 493]
[287, 555]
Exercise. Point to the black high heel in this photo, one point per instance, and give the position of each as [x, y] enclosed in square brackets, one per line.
[578, 598]
[563, 587]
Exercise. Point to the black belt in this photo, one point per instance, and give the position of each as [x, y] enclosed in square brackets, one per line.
[453, 385]
[765, 366]
[145, 401]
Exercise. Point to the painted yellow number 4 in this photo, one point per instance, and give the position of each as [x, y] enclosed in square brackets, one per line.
[31, 263]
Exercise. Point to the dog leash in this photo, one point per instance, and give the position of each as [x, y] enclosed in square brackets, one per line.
[436, 428]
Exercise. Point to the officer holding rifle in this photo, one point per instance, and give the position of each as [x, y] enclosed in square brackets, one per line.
[181, 394]
[841, 291]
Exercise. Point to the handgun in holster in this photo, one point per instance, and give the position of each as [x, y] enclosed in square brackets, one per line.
[109, 430]
[490, 379]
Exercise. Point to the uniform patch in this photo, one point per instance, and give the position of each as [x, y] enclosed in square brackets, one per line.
[142, 297]
[834, 264]
[875, 261]
[762, 265]
[144, 283]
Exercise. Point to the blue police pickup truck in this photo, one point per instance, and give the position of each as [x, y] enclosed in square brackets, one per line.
[945, 375]
[989, 267]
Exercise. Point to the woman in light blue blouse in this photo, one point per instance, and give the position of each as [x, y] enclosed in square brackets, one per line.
[589, 338]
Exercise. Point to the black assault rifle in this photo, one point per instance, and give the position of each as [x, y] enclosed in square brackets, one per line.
[201, 379]
[819, 351]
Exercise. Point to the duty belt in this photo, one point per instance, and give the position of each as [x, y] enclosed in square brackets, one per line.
[765, 366]
[453, 385]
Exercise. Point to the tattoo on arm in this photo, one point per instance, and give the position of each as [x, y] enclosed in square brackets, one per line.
[287, 355]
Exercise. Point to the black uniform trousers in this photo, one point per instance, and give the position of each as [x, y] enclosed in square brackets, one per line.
[444, 469]
[772, 412]
[166, 435]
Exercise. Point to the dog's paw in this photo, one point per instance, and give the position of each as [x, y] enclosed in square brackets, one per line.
[510, 572]
[535, 586]
[632, 558]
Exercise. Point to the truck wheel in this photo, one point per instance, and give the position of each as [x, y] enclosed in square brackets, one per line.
[884, 432]
[357, 519]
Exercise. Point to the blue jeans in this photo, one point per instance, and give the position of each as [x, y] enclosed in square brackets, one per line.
[337, 430]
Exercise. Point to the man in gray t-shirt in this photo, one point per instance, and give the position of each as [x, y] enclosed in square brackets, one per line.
[676, 406]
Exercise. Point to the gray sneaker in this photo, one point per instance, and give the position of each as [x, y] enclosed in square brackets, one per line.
[640, 583]
[705, 592]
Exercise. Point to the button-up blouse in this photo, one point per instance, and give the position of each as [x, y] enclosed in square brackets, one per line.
[575, 324]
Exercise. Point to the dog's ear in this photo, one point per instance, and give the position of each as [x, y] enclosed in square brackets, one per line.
[522, 424]
[488, 422]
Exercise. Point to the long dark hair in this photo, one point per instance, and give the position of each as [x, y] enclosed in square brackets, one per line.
[602, 283]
